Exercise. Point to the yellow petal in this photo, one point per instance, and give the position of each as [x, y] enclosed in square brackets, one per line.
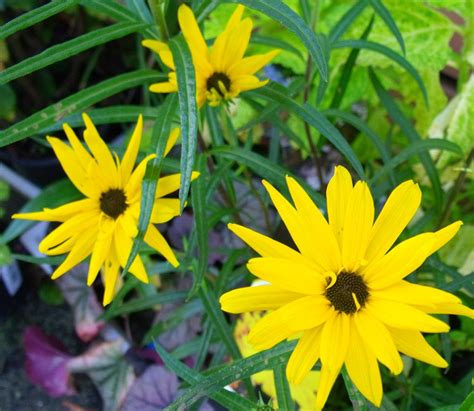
[156, 240]
[111, 274]
[413, 344]
[363, 369]
[334, 341]
[444, 235]
[450, 308]
[237, 43]
[73, 169]
[326, 382]
[357, 225]
[266, 246]
[166, 87]
[134, 185]
[288, 275]
[82, 154]
[191, 31]
[305, 355]
[171, 183]
[414, 294]
[81, 249]
[338, 192]
[403, 316]
[101, 248]
[252, 64]
[164, 210]
[61, 213]
[376, 336]
[256, 298]
[247, 82]
[295, 225]
[397, 212]
[162, 49]
[99, 150]
[130, 156]
[324, 245]
[173, 137]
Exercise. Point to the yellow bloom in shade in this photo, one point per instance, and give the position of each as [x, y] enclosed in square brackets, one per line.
[104, 224]
[222, 71]
[304, 394]
[343, 293]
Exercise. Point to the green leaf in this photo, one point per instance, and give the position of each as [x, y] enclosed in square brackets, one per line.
[54, 195]
[74, 103]
[200, 208]
[233, 372]
[285, 402]
[67, 49]
[266, 169]
[160, 135]
[384, 13]
[276, 92]
[420, 147]
[380, 48]
[280, 12]
[413, 137]
[224, 397]
[357, 399]
[35, 16]
[276, 43]
[346, 20]
[56, 260]
[188, 112]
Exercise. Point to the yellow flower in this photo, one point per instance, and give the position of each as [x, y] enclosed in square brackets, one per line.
[222, 71]
[104, 224]
[344, 290]
[304, 394]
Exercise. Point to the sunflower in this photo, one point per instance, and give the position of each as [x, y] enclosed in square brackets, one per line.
[104, 223]
[343, 293]
[222, 71]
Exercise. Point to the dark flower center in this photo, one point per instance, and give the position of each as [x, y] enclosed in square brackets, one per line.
[343, 293]
[113, 202]
[213, 82]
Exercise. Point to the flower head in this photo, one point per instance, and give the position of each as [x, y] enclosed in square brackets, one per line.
[222, 71]
[343, 293]
[104, 223]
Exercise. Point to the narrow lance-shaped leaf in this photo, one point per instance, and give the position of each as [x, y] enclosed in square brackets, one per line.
[285, 402]
[75, 103]
[346, 20]
[188, 112]
[412, 135]
[35, 16]
[314, 118]
[384, 13]
[279, 11]
[67, 49]
[160, 134]
[388, 52]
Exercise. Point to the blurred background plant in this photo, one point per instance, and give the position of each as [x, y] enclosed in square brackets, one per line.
[398, 104]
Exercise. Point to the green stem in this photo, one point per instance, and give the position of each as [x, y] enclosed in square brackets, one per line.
[156, 7]
[357, 400]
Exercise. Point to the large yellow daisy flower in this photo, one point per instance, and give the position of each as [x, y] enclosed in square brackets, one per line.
[343, 294]
[104, 224]
[222, 71]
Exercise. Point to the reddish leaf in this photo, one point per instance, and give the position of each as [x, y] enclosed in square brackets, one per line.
[46, 363]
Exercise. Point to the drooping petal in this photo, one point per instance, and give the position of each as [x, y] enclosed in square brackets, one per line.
[130, 156]
[304, 356]
[61, 213]
[73, 169]
[164, 210]
[338, 192]
[162, 49]
[288, 275]
[357, 225]
[363, 369]
[156, 240]
[376, 336]
[326, 382]
[413, 344]
[173, 137]
[170, 184]
[101, 248]
[269, 331]
[251, 65]
[403, 316]
[324, 245]
[191, 31]
[256, 298]
[394, 217]
[110, 276]
[266, 246]
[335, 340]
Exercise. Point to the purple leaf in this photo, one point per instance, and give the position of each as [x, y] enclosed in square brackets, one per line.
[46, 363]
[154, 390]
